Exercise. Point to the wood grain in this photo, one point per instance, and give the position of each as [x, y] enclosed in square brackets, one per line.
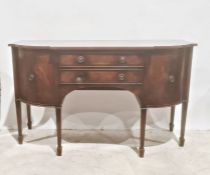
[157, 73]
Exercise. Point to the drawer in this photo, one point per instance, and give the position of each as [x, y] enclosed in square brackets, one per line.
[100, 76]
[101, 60]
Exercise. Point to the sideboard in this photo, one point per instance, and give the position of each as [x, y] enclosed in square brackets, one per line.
[156, 72]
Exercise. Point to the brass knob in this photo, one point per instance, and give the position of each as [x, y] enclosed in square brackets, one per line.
[121, 77]
[122, 60]
[80, 59]
[171, 79]
[79, 79]
[31, 77]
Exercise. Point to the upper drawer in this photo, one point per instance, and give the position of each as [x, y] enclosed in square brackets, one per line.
[100, 60]
[98, 76]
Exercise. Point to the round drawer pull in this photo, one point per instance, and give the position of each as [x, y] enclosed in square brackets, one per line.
[31, 77]
[171, 79]
[121, 77]
[79, 79]
[80, 59]
[122, 60]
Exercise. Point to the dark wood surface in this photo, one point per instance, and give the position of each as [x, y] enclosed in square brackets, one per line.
[158, 75]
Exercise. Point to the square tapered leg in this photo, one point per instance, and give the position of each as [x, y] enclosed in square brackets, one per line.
[19, 121]
[183, 123]
[142, 131]
[58, 127]
[171, 124]
[29, 123]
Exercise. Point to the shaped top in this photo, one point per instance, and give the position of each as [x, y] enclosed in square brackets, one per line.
[102, 44]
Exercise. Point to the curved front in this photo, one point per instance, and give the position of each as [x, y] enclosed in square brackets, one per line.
[45, 76]
[36, 80]
[163, 78]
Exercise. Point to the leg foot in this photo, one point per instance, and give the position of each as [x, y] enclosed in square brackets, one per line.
[29, 125]
[59, 151]
[181, 142]
[141, 152]
[171, 127]
[20, 140]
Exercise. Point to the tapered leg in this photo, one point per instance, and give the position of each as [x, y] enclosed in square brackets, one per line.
[19, 121]
[58, 126]
[183, 123]
[29, 124]
[171, 124]
[142, 131]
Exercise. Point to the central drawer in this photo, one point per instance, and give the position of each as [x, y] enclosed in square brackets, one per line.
[66, 60]
[77, 76]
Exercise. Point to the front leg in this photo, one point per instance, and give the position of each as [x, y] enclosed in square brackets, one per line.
[19, 121]
[58, 127]
[183, 123]
[171, 124]
[29, 124]
[142, 131]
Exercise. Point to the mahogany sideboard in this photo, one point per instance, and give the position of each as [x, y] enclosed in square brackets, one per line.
[156, 72]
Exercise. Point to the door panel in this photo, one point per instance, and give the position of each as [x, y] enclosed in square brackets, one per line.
[36, 77]
[163, 79]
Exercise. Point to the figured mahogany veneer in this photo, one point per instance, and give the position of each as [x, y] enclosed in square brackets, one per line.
[156, 72]
[73, 76]
[101, 60]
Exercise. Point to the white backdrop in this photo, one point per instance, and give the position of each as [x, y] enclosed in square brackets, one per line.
[108, 19]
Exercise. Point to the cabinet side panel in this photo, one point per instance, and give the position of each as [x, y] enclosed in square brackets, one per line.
[15, 71]
[187, 72]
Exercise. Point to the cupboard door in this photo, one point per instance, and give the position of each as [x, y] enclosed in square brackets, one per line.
[163, 79]
[36, 77]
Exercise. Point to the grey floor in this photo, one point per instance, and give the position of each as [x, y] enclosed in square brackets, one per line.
[93, 154]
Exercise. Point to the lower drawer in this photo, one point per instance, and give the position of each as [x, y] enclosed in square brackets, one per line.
[100, 76]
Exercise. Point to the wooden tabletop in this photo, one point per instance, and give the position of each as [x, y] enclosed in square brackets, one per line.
[102, 43]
